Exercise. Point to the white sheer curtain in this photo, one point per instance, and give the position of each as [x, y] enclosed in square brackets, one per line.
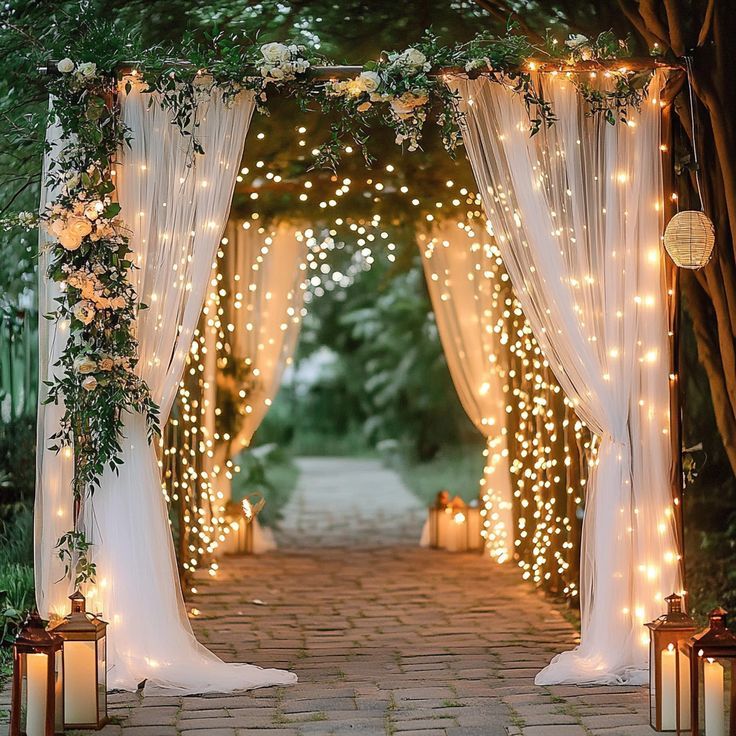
[254, 314]
[577, 214]
[458, 265]
[265, 270]
[176, 215]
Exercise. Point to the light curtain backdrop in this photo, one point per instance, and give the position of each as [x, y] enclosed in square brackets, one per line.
[457, 264]
[176, 215]
[576, 211]
[252, 320]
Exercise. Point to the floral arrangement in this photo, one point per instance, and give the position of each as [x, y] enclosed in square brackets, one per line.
[89, 259]
[89, 250]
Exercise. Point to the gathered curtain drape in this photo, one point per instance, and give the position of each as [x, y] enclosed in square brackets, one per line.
[264, 269]
[457, 263]
[252, 319]
[176, 213]
[576, 211]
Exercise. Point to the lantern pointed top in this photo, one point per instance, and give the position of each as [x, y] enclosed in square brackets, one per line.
[33, 634]
[675, 618]
[79, 603]
[717, 639]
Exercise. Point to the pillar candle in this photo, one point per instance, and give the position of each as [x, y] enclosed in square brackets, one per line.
[668, 697]
[713, 699]
[456, 539]
[80, 693]
[475, 541]
[443, 527]
[36, 684]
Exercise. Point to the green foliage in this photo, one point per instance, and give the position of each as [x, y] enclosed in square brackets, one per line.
[390, 380]
[17, 466]
[268, 470]
[456, 469]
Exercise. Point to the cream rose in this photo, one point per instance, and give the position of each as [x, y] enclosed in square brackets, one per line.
[65, 66]
[370, 81]
[91, 212]
[87, 70]
[84, 364]
[89, 383]
[406, 104]
[412, 57]
[56, 226]
[69, 240]
[80, 226]
[84, 311]
[275, 53]
[576, 40]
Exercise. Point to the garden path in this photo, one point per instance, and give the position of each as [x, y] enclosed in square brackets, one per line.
[349, 502]
[387, 640]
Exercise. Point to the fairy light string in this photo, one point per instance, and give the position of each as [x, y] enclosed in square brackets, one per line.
[550, 449]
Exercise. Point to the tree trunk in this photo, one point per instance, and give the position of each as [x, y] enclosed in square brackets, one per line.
[706, 33]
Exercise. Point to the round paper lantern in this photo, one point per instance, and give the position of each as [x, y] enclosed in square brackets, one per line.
[689, 239]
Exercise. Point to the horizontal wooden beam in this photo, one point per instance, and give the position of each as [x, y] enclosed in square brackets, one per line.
[327, 73]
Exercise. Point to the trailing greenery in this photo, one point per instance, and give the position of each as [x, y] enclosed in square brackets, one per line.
[457, 469]
[270, 471]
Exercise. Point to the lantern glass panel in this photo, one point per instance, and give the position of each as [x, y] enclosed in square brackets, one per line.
[715, 678]
[34, 674]
[101, 678]
[59, 692]
[80, 695]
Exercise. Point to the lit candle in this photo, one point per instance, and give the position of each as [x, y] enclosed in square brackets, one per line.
[669, 689]
[36, 684]
[456, 533]
[80, 693]
[444, 523]
[713, 698]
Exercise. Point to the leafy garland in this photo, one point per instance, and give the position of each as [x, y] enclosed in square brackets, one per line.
[89, 259]
[89, 252]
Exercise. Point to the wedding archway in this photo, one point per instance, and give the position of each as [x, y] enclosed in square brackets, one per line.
[610, 362]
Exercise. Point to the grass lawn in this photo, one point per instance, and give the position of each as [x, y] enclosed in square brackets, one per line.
[456, 469]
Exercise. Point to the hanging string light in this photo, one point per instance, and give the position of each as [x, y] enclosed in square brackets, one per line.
[550, 449]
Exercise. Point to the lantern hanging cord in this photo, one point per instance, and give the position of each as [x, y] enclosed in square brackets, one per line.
[689, 71]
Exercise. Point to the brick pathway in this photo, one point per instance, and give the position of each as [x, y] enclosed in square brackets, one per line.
[387, 641]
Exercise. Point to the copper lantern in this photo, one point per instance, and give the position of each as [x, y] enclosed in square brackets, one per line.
[38, 677]
[85, 664]
[707, 657]
[669, 700]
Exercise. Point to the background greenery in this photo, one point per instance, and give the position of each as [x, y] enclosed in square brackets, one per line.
[389, 390]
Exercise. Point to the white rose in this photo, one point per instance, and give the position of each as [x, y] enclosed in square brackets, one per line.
[575, 40]
[84, 364]
[89, 383]
[370, 81]
[87, 70]
[413, 57]
[91, 212]
[84, 311]
[276, 73]
[65, 66]
[275, 53]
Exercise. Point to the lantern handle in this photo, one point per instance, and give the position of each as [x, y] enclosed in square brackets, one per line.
[689, 73]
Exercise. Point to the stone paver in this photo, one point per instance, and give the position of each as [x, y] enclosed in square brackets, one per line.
[349, 502]
[388, 640]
